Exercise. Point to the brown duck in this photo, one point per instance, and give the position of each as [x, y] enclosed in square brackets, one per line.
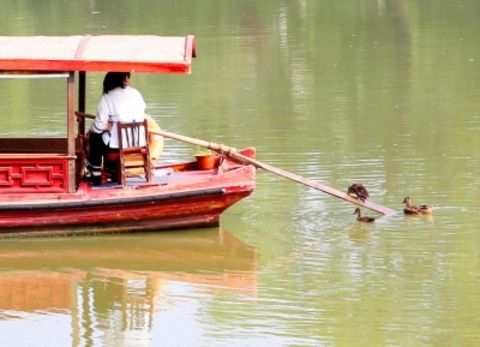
[415, 209]
[363, 219]
[359, 191]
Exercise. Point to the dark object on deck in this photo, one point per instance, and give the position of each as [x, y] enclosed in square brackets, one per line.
[359, 191]
[363, 219]
[415, 209]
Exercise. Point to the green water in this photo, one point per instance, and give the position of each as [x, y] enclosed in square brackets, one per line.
[380, 92]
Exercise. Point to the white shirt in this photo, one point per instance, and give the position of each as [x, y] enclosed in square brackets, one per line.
[118, 105]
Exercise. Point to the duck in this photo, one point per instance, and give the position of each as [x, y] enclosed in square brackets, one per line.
[359, 191]
[363, 219]
[415, 209]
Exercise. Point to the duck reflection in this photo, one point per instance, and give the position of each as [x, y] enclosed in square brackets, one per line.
[119, 283]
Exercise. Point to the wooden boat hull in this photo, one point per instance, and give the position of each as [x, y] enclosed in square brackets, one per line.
[195, 201]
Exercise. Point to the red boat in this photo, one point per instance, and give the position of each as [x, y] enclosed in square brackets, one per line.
[41, 179]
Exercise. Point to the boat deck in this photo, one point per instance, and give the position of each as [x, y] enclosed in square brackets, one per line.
[162, 178]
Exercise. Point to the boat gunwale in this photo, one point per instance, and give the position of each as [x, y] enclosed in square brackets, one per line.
[113, 201]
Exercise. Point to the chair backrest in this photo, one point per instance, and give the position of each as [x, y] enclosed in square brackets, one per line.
[132, 134]
[133, 144]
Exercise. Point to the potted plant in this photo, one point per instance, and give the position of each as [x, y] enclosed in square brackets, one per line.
[206, 159]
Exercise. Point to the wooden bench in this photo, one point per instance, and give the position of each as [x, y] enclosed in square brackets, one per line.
[33, 145]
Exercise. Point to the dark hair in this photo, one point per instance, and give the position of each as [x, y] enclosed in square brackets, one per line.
[113, 80]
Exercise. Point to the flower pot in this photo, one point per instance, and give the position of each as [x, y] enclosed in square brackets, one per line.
[206, 161]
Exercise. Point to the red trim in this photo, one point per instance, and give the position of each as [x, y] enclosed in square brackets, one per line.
[37, 174]
[72, 65]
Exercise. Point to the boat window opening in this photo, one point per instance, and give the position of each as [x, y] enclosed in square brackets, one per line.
[33, 107]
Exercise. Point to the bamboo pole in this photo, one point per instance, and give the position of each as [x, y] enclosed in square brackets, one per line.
[233, 154]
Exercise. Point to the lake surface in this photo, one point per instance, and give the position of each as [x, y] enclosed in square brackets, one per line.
[385, 93]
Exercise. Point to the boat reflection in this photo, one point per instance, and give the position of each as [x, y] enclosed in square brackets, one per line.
[119, 283]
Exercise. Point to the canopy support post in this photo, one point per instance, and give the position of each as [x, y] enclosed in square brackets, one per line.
[81, 91]
[81, 104]
[71, 130]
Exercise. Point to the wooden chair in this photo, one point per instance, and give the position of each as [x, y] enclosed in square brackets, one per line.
[133, 151]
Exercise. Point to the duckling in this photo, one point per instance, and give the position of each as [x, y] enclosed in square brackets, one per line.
[359, 191]
[415, 209]
[364, 219]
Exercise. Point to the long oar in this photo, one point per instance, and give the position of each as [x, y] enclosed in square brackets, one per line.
[233, 154]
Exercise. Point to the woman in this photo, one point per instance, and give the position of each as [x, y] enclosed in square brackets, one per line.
[119, 103]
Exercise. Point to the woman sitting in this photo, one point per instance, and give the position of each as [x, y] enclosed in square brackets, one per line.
[119, 103]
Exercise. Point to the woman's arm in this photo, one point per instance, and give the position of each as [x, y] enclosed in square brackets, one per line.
[101, 123]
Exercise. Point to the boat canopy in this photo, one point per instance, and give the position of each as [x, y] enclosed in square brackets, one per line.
[133, 53]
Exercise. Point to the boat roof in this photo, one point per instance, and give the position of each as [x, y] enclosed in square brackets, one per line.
[133, 53]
